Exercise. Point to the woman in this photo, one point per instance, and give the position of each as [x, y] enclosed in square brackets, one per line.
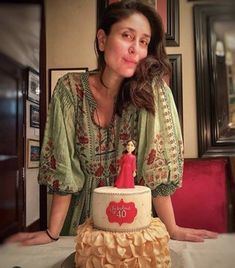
[92, 116]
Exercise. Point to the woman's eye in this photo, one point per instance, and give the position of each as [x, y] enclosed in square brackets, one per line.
[128, 35]
[144, 43]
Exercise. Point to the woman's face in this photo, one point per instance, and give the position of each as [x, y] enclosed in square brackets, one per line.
[126, 45]
[130, 147]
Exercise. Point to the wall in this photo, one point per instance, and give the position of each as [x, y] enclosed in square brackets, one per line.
[186, 48]
[70, 32]
[31, 174]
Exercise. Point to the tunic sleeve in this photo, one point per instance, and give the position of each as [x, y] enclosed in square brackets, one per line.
[160, 145]
[59, 165]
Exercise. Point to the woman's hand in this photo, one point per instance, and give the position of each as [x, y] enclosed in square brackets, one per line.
[189, 234]
[59, 209]
[29, 239]
[164, 209]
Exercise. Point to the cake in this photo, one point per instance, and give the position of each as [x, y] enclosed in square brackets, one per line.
[121, 231]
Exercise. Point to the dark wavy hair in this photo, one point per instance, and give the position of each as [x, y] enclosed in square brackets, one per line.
[137, 90]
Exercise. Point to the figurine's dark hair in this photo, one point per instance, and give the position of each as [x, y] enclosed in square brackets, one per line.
[138, 90]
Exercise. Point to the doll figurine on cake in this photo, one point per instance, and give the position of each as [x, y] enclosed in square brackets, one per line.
[127, 169]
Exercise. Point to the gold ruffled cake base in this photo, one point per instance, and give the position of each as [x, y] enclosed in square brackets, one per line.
[147, 248]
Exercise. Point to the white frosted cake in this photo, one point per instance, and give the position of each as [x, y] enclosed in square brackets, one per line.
[121, 232]
[122, 210]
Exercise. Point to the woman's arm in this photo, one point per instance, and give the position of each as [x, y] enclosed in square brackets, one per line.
[59, 209]
[165, 212]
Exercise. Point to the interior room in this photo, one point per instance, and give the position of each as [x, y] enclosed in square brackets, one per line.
[43, 40]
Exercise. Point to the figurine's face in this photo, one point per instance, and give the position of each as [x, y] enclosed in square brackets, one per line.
[130, 147]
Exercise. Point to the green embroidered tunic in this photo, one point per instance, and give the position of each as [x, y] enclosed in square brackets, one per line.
[78, 155]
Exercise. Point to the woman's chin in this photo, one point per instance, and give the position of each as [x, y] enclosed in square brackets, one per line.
[128, 73]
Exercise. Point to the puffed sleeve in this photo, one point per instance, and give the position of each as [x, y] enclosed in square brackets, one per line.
[160, 145]
[59, 165]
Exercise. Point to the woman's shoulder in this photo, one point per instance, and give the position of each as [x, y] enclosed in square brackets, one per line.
[161, 87]
[71, 85]
[73, 81]
[160, 83]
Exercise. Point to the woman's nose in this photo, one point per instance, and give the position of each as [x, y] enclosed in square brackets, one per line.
[131, 50]
[134, 46]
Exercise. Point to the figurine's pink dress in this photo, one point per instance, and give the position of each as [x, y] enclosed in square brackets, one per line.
[125, 178]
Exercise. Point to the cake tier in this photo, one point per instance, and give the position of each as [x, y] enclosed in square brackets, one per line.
[147, 248]
[121, 210]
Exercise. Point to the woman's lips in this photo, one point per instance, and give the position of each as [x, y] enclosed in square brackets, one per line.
[130, 62]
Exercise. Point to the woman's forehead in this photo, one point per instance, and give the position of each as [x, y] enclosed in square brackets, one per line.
[136, 22]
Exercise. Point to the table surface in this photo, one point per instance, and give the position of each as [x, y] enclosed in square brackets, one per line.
[213, 253]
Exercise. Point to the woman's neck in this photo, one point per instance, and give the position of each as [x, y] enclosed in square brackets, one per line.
[110, 83]
[105, 96]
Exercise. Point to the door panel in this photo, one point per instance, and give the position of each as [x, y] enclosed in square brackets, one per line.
[11, 147]
[8, 114]
[8, 197]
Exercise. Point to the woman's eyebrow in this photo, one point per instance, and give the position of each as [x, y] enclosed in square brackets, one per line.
[133, 30]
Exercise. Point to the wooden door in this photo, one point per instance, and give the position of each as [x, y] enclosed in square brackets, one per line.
[11, 147]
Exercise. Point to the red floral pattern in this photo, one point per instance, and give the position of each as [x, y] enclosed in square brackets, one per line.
[151, 157]
[112, 168]
[83, 139]
[53, 162]
[101, 183]
[99, 171]
[156, 161]
[124, 136]
[56, 185]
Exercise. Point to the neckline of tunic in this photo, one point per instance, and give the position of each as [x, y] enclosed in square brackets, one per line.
[92, 102]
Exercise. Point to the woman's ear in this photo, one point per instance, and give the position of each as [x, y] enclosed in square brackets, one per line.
[101, 37]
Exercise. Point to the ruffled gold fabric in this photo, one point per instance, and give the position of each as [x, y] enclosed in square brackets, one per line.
[147, 248]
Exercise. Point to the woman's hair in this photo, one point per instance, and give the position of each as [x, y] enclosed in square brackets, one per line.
[138, 89]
